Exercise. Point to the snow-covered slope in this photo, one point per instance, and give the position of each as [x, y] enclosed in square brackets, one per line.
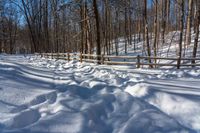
[168, 49]
[39, 95]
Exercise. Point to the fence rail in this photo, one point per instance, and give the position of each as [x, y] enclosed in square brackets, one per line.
[138, 61]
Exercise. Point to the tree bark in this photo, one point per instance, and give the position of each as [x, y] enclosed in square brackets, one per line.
[188, 31]
[181, 33]
[98, 41]
[146, 32]
[155, 30]
[197, 20]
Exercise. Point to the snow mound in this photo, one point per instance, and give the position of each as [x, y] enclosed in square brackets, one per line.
[188, 113]
[70, 97]
[137, 90]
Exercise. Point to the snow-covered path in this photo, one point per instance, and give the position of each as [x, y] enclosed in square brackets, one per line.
[53, 96]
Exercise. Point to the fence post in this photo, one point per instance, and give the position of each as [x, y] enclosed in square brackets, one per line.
[138, 61]
[68, 57]
[64, 55]
[102, 59]
[178, 62]
[81, 57]
[75, 56]
[58, 56]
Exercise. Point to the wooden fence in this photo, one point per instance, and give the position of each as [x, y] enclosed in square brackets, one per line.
[138, 61]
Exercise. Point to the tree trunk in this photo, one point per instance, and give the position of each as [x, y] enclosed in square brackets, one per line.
[155, 29]
[197, 20]
[188, 32]
[146, 32]
[96, 13]
[181, 33]
[164, 20]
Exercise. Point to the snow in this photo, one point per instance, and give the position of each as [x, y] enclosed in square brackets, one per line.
[169, 49]
[39, 95]
[137, 90]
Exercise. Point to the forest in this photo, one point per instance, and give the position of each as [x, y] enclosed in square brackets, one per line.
[96, 26]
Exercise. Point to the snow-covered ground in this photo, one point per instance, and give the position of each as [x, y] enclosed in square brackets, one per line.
[169, 49]
[39, 95]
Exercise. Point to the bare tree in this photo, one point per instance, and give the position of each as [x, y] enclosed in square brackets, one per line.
[181, 3]
[146, 32]
[188, 31]
[155, 29]
[96, 13]
[197, 23]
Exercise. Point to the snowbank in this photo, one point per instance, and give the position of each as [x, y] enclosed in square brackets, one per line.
[39, 95]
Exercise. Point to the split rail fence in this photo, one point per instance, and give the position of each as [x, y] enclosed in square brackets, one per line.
[138, 61]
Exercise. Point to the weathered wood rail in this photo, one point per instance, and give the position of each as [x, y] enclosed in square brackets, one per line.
[138, 61]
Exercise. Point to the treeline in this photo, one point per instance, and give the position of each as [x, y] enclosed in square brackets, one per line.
[89, 26]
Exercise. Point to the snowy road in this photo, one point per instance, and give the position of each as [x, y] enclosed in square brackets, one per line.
[48, 96]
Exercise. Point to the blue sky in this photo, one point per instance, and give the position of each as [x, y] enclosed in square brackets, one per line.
[150, 2]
